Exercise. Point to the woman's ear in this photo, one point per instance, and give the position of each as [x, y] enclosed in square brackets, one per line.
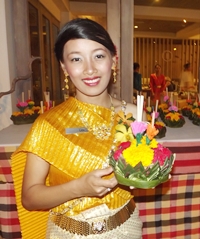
[114, 62]
[62, 66]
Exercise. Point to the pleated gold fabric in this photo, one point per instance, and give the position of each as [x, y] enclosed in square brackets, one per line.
[70, 157]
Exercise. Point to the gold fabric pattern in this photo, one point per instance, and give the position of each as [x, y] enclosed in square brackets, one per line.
[70, 156]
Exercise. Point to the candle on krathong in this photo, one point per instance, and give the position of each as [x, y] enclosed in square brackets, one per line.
[148, 101]
[41, 106]
[29, 94]
[22, 96]
[167, 91]
[140, 102]
[156, 108]
[171, 97]
[153, 118]
[138, 106]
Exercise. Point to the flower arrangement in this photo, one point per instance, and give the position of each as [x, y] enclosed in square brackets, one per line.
[27, 113]
[160, 126]
[174, 119]
[196, 116]
[139, 160]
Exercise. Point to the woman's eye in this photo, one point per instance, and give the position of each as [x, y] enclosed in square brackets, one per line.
[100, 56]
[75, 59]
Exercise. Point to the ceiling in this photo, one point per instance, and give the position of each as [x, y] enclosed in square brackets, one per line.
[154, 18]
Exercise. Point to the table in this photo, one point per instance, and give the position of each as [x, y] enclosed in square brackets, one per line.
[171, 210]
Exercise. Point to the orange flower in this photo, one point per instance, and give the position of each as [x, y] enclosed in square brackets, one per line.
[125, 119]
[151, 131]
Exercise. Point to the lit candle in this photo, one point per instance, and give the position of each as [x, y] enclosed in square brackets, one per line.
[22, 96]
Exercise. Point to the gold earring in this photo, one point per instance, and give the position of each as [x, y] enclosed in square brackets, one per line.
[114, 70]
[66, 80]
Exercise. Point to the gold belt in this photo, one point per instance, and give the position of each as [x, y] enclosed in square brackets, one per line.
[98, 226]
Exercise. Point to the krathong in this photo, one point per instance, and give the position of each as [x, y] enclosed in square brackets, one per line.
[139, 160]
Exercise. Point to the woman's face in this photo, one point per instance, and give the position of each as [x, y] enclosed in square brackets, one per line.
[88, 64]
[157, 69]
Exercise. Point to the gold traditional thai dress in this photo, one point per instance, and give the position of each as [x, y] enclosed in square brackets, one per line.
[70, 156]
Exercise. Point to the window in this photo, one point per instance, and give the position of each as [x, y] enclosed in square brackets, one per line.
[46, 73]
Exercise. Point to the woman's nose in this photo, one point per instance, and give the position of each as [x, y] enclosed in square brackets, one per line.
[90, 68]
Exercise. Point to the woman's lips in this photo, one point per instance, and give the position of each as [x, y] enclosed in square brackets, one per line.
[91, 81]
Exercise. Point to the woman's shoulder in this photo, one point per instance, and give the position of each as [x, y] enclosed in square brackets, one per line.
[129, 107]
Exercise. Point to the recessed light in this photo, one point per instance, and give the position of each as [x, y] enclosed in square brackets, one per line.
[135, 26]
[174, 48]
[184, 20]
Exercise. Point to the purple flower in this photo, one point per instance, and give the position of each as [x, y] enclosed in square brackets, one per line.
[173, 108]
[138, 127]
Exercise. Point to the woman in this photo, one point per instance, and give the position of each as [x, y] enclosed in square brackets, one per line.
[67, 150]
[187, 79]
[157, 83]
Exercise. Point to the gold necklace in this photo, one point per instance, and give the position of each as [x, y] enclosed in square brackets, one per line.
[100, 130]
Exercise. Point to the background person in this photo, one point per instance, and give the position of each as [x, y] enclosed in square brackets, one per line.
[67, 177]
[137, 79]
[157, 83]
[187, 79]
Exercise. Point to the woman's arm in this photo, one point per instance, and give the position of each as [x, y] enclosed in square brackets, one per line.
[36, 195]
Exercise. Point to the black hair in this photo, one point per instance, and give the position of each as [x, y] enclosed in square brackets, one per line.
[186, 66]
[82, 28]
[136, 65]
[157, 65]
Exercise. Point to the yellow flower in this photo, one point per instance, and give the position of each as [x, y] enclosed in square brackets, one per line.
[160, 123]
[123, 134]
[28, 111]
[141, 153]
[173, 116]
[17, 113]
[148, 117]
[124, 118]
[163, 106]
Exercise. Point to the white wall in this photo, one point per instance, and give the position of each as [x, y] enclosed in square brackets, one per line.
[6, 53]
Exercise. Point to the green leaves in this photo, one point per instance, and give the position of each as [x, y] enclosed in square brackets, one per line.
[139, 176]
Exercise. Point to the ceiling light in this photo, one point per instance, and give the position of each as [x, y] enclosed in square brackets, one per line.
[149, 28]
[184, 20]
[135, 26]
[174, 48]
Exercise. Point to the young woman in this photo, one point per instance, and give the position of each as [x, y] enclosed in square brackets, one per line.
[67, 177]
[157, 83]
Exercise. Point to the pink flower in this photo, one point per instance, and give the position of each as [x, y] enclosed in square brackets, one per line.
[22, 104]
[166, 98]
[156, 115]
[138, 127]
[161, 153]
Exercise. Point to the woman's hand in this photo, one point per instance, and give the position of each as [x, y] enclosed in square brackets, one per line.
[94, 183]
